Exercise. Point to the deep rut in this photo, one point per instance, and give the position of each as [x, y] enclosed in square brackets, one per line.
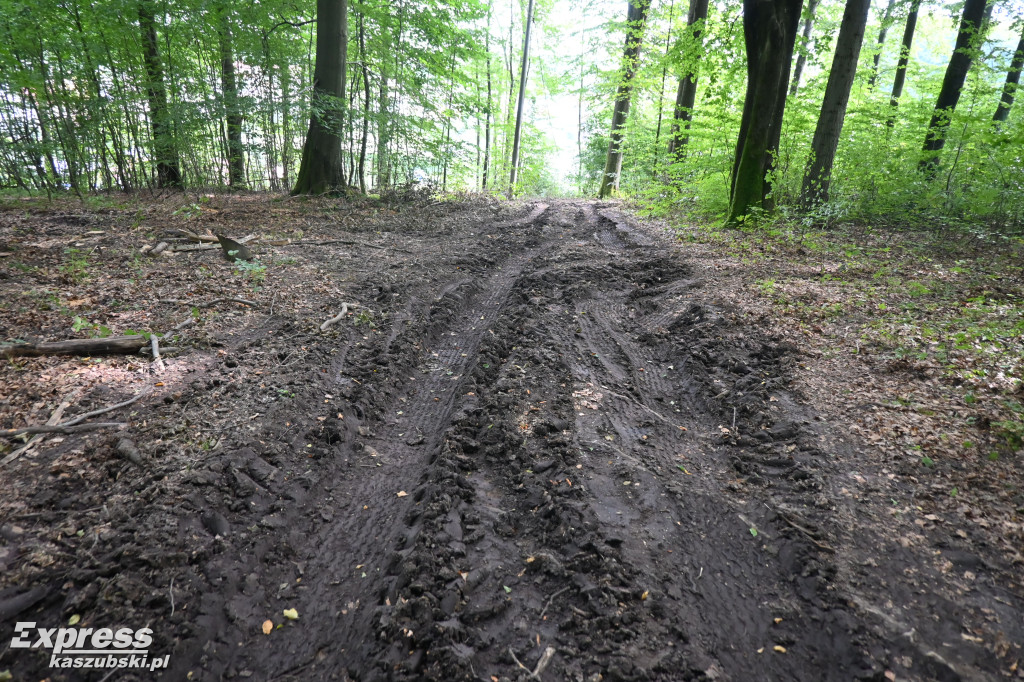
[534, 465]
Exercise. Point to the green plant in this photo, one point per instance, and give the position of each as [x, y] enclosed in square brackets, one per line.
[363, 317]
[254, 270]
[75, 266]
[97, 330]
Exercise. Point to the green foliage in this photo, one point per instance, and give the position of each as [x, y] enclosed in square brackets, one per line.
[75, 267]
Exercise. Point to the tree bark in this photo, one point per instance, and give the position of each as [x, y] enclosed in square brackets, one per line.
[686, 94]
[968, 39]
[229, 87]
[1012, 82]
[322, 167]
[664, 78]
[883, 31]
[487, 119]
[636, 19]
[901, 66]
[517, 138]
[818, 174]
[769, 29]
[801, 58]
[168, 167]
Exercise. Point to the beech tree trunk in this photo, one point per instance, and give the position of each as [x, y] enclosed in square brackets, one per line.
[686, 94]
[487, 110]
[967, 41]
[801, 58]
[1012, 82]
[901, 66]
[517, 136]
[769, 29]
[818, 175]
[366, 107]
[322, 168]
[636, 20]
[168, 168]
[229, 86]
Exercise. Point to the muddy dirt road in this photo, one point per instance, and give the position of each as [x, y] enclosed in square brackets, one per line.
[539, 449]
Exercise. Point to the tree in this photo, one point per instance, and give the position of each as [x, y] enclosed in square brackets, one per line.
[322, 168]
[901, 66]
[686, 94]
[1011, 84]
[968, 40]
[805, 40]
[883, 31]
[168, 168]
[636, 20]
[818, 175]
[522, 94]
[769, 33]
[229, 87]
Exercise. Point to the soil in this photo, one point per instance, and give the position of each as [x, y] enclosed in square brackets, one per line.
[542, 444]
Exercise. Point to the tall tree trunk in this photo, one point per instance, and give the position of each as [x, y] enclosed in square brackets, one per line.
[517, 138]
[229, 87]
[664, 77]
[487, 121]
[801, 58]
[818, 175]
[769, 30]
[322, 166]
[686, 94]
[366, 106]
[901, 66]
[1012, 82]
[883, 31]
[636, 20]
[967, 41]
[168, 167]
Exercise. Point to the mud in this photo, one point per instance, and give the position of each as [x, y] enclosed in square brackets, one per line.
[548, 451]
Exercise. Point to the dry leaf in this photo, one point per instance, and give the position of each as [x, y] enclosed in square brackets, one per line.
[779, 649]
[401, 493]
[268, 627]
[291, 614]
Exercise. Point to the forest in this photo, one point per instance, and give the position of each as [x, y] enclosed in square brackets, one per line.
[901, 111]
[511, 340]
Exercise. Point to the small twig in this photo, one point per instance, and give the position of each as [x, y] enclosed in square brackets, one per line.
[808, 534]
[171, 590]
[95, 413]
[514, 658]
[734, 419]
[339, 317]
[59, 428]
[551, 599]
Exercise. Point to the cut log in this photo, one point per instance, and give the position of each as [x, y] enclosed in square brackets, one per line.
[111, 344]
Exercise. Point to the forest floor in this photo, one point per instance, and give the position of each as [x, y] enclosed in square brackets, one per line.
[547, 440]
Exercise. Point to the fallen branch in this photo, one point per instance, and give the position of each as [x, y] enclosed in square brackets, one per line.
[545, 659]
[207, 304]
[209, 247]
[155, 344]
[95, 413]
[807, 533]
[111, 344]
[339, 317]
[347, 242]
[59, 428]
[54, 419]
